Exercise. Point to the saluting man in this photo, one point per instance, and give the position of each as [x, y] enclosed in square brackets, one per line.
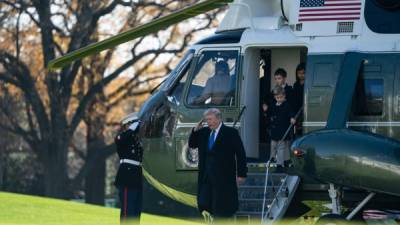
[222, 165]
[129, 175]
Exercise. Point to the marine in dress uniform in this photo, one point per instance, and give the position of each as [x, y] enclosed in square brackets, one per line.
[129, 175]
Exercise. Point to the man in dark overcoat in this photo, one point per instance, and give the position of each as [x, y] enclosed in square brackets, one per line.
[222, 165]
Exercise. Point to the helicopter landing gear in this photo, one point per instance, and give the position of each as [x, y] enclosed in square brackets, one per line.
[335, 216]
[335, 195]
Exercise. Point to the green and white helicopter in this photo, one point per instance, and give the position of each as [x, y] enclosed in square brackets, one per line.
[351, 107]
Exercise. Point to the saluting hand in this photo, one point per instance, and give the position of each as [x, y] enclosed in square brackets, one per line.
[199, 125]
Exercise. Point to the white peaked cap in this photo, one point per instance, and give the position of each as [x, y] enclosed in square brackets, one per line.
[129, 118]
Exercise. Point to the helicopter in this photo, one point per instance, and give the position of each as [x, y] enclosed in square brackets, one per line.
[351, 108]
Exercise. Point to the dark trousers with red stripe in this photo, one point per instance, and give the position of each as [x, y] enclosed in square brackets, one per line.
[131, 205]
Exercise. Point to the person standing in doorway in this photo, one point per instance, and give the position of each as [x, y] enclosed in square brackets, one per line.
[280, 76]
[222, 165]
[129, 175]
[281, 116]
[298, 97]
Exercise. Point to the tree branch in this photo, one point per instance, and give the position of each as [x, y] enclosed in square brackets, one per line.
[15, 128]
[78, 151]
[31, 124]
[46, 27]
[129, 93]
[24, 7]
[108, 9]
[130, 81]
[17, 47]
[27, 86]
[8, 79]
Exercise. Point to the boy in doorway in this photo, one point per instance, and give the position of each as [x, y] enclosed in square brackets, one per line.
[280, 116]
[280, 76]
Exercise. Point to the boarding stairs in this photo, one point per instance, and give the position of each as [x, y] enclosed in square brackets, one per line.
[265, 196]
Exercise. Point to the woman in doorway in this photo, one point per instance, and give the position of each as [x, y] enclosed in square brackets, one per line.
[298, 97]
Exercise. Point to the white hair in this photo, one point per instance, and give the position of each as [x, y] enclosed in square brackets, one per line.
[214, 111]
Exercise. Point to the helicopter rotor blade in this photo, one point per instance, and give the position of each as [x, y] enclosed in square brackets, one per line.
[142, 30]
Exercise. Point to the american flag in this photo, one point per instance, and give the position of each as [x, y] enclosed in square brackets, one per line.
[329, 10]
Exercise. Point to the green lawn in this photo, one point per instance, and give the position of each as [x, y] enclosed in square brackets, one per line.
[16, 209]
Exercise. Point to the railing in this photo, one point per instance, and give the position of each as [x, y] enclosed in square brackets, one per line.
[265, 192]
[276, 200]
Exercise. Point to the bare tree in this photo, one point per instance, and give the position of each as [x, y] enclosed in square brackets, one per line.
[58, 101]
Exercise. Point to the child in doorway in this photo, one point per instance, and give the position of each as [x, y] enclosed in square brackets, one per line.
[281, 116]
[280, 76]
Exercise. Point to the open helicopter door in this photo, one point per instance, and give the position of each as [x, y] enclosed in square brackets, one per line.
[259, 65]
[205, 89]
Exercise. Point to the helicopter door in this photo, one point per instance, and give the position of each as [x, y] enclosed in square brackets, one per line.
[212, 83]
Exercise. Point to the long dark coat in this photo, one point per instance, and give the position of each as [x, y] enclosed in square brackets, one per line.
[280, 120]
[230, 162]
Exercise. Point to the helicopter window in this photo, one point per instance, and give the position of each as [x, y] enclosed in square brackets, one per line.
[175, 74]
[214, 80]
[368, 99]
[177, 90]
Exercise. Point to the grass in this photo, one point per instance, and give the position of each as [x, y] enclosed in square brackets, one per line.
[17, 209]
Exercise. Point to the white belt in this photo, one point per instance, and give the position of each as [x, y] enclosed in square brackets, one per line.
[130, 161]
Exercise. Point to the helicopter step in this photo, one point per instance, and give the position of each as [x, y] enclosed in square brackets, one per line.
[265, 196]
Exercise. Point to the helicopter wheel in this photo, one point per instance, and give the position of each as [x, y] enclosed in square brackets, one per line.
[331, 219]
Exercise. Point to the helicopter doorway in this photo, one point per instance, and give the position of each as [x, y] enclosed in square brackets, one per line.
[259, 66]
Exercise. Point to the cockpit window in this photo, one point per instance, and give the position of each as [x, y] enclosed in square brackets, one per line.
[214, 80]
[177, 72]
[177, 90]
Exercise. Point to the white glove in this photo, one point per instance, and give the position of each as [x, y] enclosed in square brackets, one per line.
[133, 126]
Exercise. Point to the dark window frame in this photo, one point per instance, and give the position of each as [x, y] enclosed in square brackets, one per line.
[176, 74]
